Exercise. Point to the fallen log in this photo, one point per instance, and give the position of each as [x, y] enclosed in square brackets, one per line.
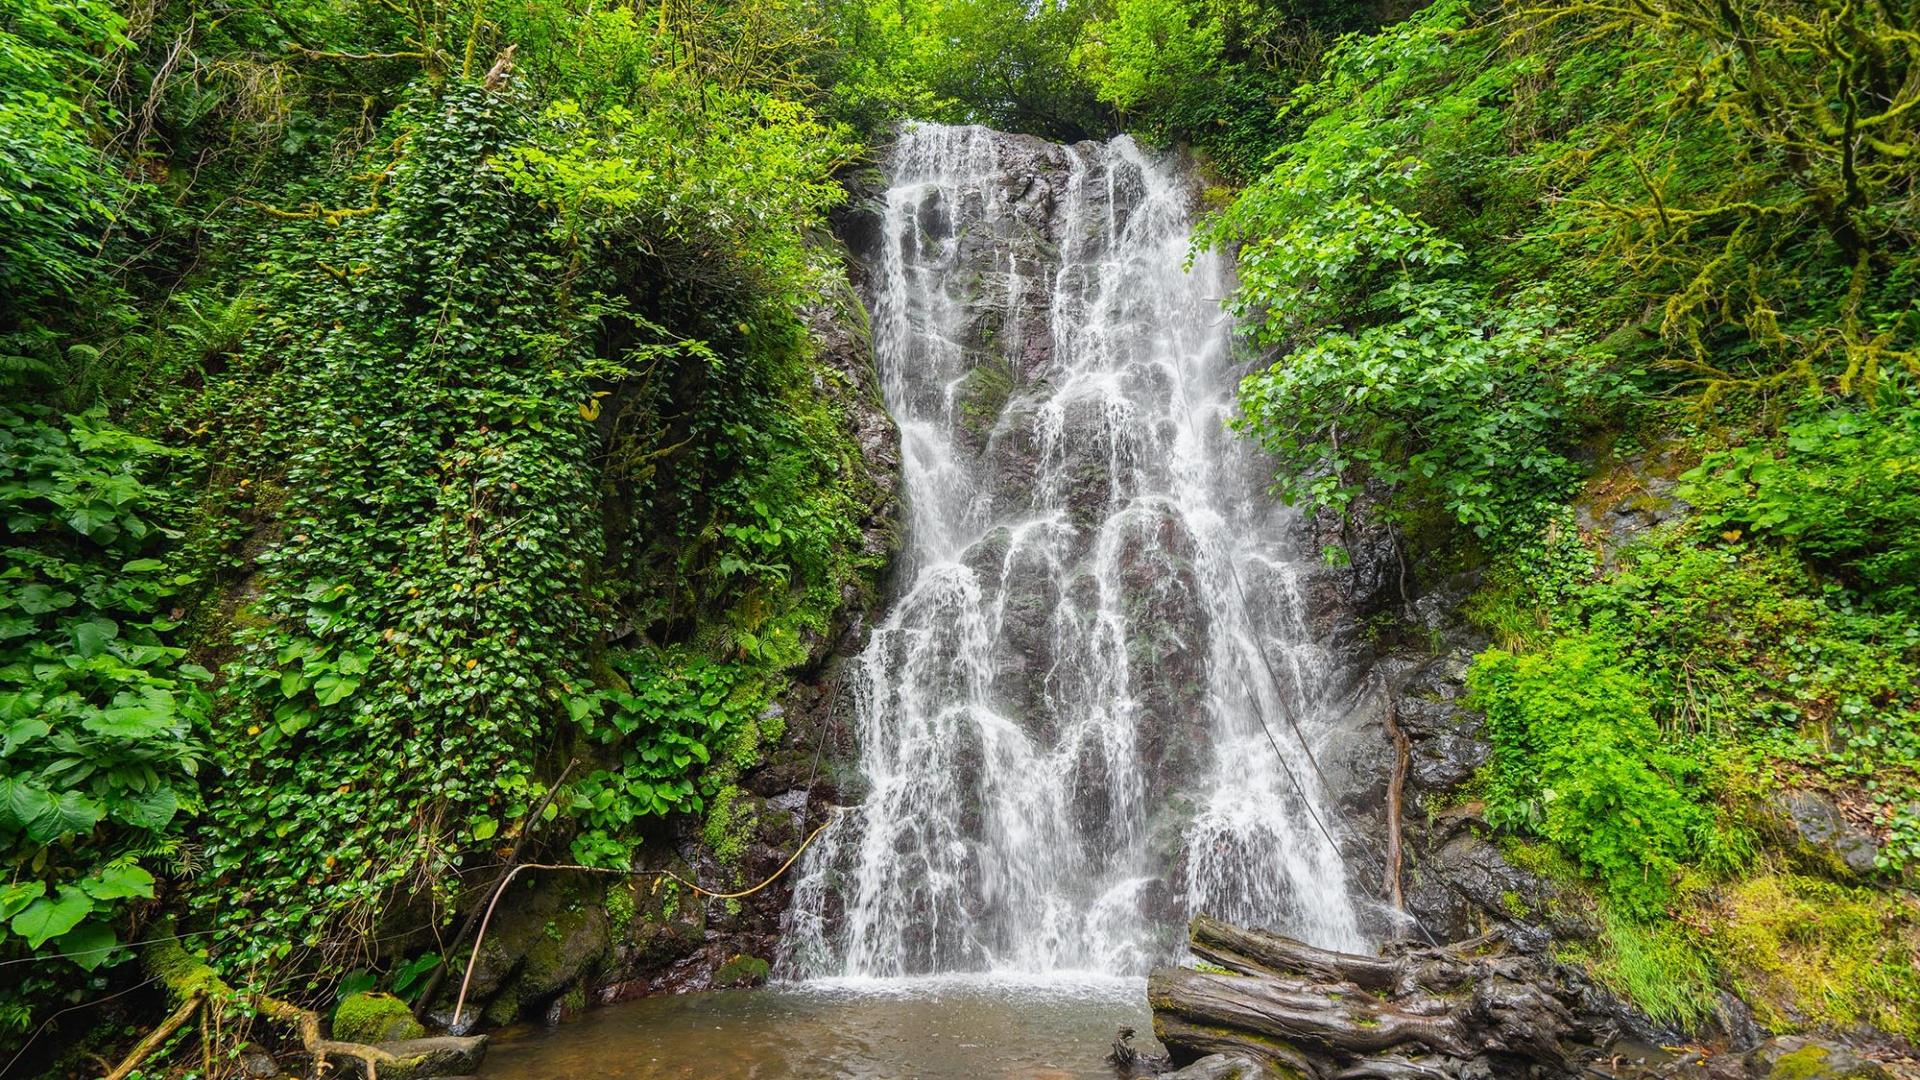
[1419, 1011]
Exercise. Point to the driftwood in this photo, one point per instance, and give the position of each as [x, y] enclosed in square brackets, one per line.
[1417, 1012]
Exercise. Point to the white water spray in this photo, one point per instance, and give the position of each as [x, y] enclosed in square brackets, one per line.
[1060, 720]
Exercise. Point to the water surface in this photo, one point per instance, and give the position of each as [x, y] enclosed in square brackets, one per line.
[941, 1028]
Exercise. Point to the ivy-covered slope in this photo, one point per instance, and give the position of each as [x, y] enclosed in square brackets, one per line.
[401, 453]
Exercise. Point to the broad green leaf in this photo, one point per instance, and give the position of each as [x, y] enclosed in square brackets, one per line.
[20, 733]
[119, 881]
[90, 637]
[22, 802]
[133, 718]
[17, 895]
[49, 917]
[150, 810]
[89, 945]
[67, 813]
[39, 599]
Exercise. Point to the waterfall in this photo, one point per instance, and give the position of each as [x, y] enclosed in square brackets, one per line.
[1060, 719]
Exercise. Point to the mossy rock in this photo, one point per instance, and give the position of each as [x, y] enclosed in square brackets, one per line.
[742, 970]
[1792, 1058]
[375, 1018]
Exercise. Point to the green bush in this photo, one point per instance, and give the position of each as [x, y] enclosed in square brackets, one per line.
[1578, 761]
[1841, 486]
[99, 717]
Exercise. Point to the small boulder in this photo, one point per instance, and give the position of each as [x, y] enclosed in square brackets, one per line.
[742, 970]
[374, 1018]
[257, 1063]
[1820, 837]
[1791, 1057]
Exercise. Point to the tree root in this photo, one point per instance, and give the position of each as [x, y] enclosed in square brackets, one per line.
[159, 1035]
[1396, 795]
[197, 987]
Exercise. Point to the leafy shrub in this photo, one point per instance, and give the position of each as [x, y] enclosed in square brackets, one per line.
[99, 717]
[1578, 761]
[1841, 486]
[1454, 404]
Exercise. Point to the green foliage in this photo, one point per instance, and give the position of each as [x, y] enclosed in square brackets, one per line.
[1578, 761]
[1659, 966]
[423, 595]
[1007, 63]
[97, 711]
[1842, 487]
[493, 433]
[56, 190]
[1147, 51]
[1451, 405]
[680, 708]
[1396, 368]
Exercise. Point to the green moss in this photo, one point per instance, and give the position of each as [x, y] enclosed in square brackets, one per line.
[1805, 1063]
[374, 1018]
[730, 826]
[1811, 953]
[182, 973]
[742, 970]
[984, 393]
[1513, 904]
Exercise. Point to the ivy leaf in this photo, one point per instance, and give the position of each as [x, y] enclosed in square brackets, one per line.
[330, 689]
[88, 945]
[49, 917]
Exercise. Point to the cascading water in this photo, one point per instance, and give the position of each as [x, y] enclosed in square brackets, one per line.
[1060, 721]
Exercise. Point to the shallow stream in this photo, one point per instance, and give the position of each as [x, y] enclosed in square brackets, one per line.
[974, 1027]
